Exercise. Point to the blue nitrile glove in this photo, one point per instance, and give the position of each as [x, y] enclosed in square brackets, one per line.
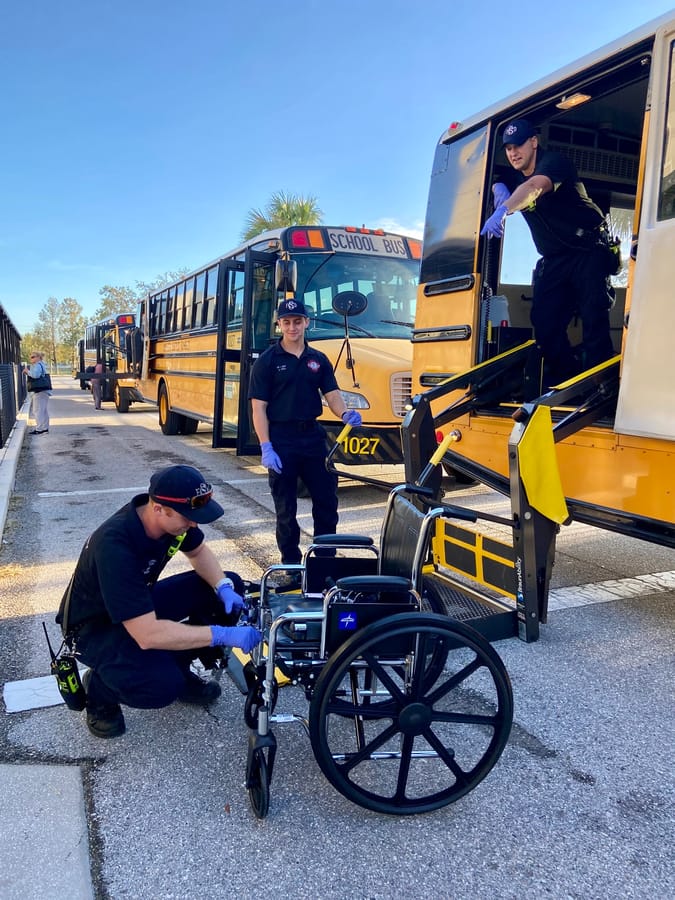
[246, 637]
[270, 459]
[494, 226]
[351, 417]
[229, 597]
[500, 193]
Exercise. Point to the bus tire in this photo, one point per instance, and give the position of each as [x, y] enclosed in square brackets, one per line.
[121, 399]
[188, 425]
[168, 420]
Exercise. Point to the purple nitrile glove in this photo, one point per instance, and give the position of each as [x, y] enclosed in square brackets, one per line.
[352, 417]
[494, 226]
[270, 459]
[500, 193]
[229, 597]
[246, 637]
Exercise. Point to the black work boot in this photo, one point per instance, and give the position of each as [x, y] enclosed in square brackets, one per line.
[198, 691]
[104, 720]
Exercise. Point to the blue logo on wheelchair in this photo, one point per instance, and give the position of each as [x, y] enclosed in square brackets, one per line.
[347, 621]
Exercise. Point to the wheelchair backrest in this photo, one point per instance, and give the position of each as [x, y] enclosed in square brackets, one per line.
[403, 528]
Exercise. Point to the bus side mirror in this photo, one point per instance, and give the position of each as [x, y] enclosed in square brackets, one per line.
[349, 303]
[286, 275]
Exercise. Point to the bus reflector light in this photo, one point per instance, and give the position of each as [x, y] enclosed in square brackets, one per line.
[307, 237]
[299, 239]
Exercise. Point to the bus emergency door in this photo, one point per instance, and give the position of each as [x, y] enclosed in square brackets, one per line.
[228, 352]
[260, 300]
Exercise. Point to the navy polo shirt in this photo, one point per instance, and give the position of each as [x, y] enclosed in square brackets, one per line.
[555, 217]
[291, 385]
[118, 565]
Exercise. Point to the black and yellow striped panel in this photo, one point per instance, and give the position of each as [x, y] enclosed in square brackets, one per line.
[481, 558]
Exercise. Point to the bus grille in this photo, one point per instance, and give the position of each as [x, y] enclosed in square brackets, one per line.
[400, 388]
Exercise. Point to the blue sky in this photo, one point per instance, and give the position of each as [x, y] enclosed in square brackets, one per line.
[137, 134]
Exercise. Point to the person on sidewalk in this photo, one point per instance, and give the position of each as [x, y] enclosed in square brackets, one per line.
[39, 407]
[287, 384]
[97, 384]
[139, 635]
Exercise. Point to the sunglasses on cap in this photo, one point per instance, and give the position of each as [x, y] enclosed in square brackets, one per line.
[198, 502]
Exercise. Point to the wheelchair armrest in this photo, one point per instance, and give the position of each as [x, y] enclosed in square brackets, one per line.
[343, 540]
[374, 583]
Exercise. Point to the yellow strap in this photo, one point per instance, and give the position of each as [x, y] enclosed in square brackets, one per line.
[539, 467]
[279, 676]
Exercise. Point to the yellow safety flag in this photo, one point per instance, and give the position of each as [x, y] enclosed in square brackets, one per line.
[539, 470]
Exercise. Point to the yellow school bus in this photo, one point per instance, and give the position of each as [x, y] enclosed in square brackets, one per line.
[199, 337]
[613, 427]
[105, 342]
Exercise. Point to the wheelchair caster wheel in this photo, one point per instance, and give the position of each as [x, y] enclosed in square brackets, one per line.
[258, 783]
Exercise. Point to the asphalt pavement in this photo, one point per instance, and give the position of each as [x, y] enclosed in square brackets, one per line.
[579, 805]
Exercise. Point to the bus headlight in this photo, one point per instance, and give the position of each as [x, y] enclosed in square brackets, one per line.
[352, 400]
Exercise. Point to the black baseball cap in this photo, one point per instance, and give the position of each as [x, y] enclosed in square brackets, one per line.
[185, 489]
[517, 132]
[291, 308]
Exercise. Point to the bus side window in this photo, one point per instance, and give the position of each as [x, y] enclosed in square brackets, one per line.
[198, 305]
[210, 313]
[189, 295]
[180, 307]
[667, 187]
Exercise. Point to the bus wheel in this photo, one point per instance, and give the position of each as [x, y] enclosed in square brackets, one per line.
[168, 421]
[188, 425]
[121, 399]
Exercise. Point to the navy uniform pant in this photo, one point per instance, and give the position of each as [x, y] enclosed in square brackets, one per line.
[572, 284]
[303, 454]
[122, 672]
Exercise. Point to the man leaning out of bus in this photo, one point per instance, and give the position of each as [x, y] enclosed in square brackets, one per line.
[570, 233]
[139, 635]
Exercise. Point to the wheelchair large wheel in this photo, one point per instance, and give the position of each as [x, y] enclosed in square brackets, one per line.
[430, 733]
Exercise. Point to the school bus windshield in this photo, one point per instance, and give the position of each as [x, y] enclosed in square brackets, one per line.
[389, 286]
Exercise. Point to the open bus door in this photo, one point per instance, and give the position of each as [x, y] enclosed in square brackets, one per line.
[245, 329]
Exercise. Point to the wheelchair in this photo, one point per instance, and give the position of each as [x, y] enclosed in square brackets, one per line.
[408, 708]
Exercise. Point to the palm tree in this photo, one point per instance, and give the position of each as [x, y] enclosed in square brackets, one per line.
[282, 210]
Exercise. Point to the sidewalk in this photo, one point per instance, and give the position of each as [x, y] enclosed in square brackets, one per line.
[44, 846]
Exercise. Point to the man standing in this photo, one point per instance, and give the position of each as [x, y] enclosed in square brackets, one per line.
[287, 383]
[128, 626]
[569, 232]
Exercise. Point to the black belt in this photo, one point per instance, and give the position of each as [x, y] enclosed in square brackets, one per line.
[297, 425]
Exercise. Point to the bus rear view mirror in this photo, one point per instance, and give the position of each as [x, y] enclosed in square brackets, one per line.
[349, 303]
[286, 275]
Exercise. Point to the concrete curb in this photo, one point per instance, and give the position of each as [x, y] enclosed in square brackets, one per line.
[9, 460]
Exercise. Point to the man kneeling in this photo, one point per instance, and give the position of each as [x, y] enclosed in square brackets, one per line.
[139, 635]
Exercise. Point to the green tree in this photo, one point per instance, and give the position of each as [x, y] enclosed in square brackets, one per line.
[48, 329]
[143, 288]
[282, 210]
[114, 300]
[71, 325]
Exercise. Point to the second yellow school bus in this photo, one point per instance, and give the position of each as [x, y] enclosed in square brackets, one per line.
[199, 337]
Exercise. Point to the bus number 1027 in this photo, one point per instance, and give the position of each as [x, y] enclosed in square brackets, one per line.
[359, 446]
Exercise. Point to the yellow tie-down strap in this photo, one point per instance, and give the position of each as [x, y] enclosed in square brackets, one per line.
[243, 658]
[480, 558]
[539, 470]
